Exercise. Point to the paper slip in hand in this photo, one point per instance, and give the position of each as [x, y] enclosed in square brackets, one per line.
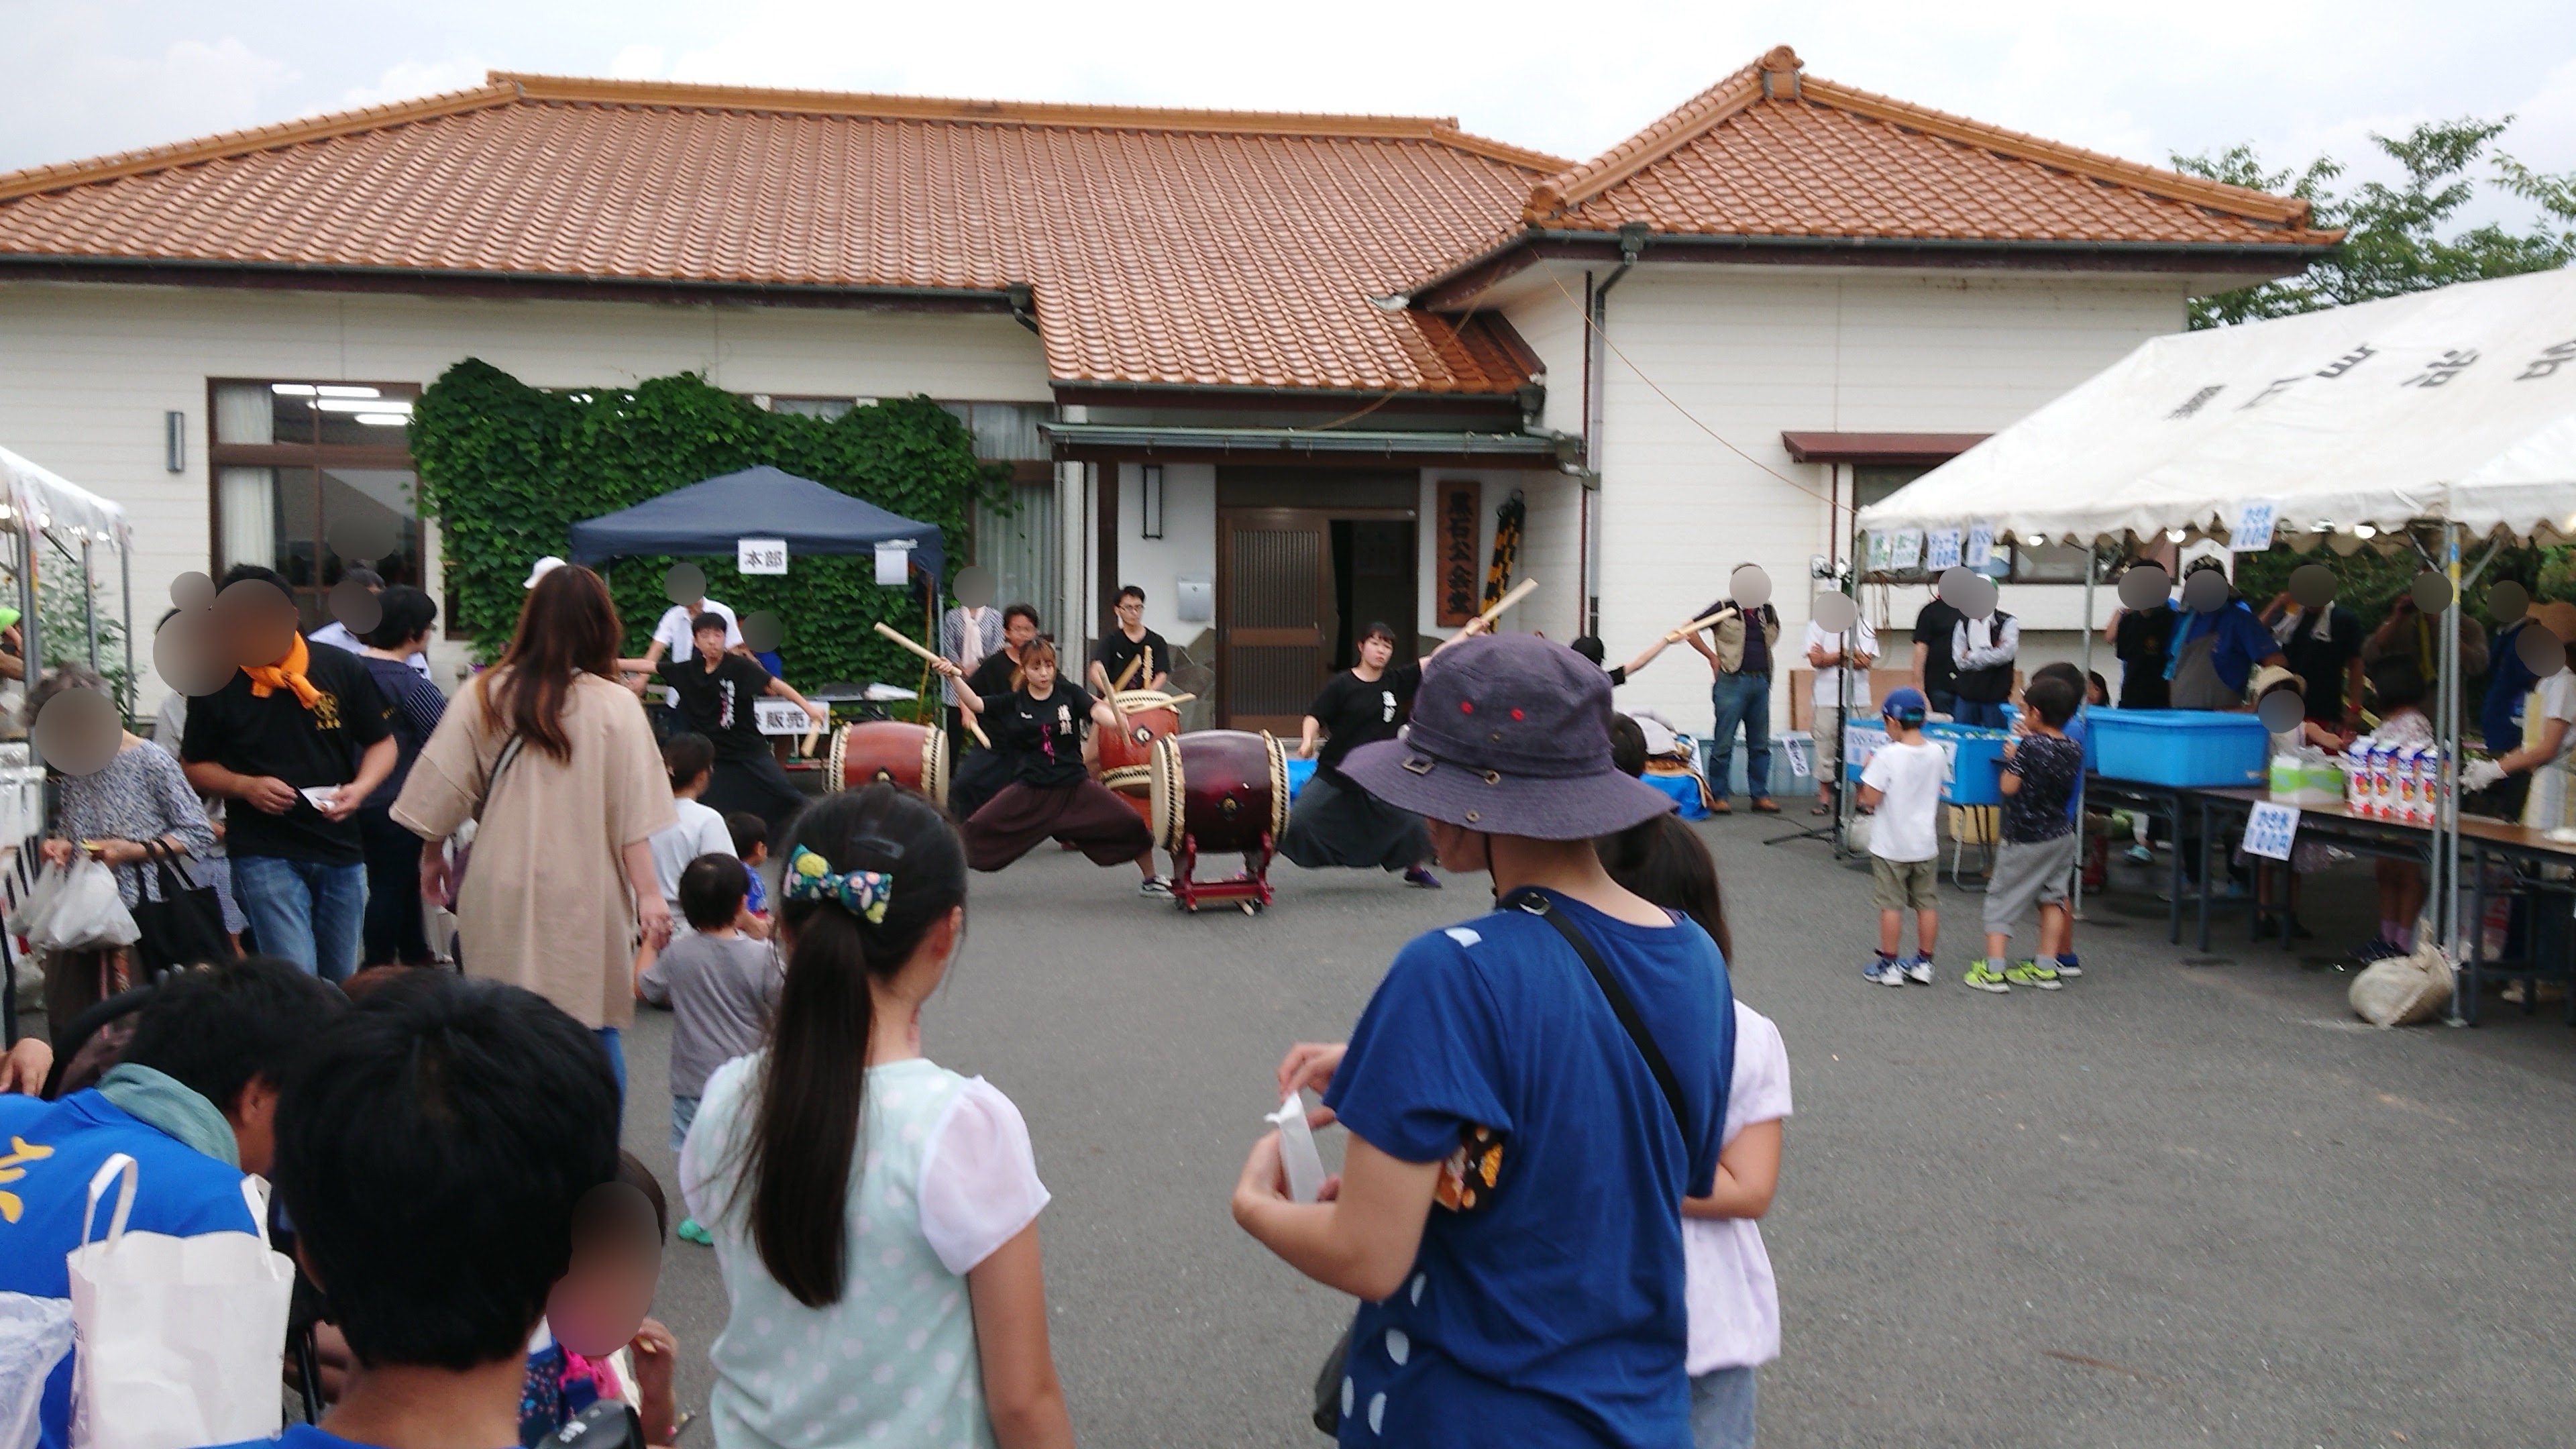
[321, 795]
[1297, 1150]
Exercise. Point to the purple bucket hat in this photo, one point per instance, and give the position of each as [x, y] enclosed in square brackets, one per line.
[1510, 735]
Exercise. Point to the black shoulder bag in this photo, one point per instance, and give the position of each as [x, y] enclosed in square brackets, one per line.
[185, 927]
[1528, 899]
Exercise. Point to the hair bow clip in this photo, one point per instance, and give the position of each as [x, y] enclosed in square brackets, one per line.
[863, 893]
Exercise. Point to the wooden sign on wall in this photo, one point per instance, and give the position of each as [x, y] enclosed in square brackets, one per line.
[1459, 532]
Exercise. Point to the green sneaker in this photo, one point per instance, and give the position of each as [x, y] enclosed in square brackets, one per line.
[691, 1231]
[2031, 973]
[1982, 976]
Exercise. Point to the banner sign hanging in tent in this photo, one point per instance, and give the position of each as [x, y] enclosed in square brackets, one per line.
[1880, 554]
[1981, 545]
[2252, 530]
[760, 555]
[894, 562]
[1940, 550]
[1909, 548]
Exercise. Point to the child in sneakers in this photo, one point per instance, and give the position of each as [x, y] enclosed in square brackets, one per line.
[2038, 851]
[720, 985]
[1903, 784]
[751, 846]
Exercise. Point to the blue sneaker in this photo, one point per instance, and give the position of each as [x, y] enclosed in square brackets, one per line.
[2067, 968]
[1885, 971]
[1919, 970]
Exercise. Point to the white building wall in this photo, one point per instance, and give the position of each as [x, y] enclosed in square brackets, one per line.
[1714, 362]
[1187, 547]
[87, 371]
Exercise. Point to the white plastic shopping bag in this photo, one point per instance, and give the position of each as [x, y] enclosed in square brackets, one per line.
[87, 914]
[178, 1340]
[35, 1333]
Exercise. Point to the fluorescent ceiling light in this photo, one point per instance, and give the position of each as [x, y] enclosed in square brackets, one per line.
[333, 389]
[385, 420]
[363, 405]
[291, 389]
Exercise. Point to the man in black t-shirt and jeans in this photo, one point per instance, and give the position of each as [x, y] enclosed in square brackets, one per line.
[717, 689]
[301, 739]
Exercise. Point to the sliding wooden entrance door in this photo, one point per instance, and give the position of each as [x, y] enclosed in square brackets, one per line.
[1275, 637]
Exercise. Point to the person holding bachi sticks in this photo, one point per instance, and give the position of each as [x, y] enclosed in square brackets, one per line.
[1038, 729]
[1336, 823]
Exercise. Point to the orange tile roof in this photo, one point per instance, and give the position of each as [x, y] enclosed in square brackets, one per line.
[1773, 152]
[1204, 248]
[1162, 246]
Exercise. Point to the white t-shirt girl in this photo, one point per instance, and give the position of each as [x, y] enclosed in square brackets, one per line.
[947, 1177]
[1734, 1301]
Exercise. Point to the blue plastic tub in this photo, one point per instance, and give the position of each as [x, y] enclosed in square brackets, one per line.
[1976, 763]
[1299, 772]
[2179, 746]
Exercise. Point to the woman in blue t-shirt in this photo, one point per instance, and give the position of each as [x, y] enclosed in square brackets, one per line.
[1509, 1205]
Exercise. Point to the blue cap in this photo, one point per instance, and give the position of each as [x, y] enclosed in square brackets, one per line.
[1906, 705]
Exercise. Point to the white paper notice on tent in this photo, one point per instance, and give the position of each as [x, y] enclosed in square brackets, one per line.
[760, 555]
[1909, 547]
[2252, 530]
[1981, 546]
[1881, 552]
[894, 563]
[2270, 828]
[1940, 550]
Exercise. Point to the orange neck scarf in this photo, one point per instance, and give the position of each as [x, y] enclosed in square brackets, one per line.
[289, 671]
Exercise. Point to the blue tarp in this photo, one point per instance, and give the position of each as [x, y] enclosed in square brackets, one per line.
[763, 502]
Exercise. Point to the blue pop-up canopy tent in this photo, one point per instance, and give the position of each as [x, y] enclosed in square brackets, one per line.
[762, 502]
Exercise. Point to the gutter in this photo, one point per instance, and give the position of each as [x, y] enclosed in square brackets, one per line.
[1700, 247]
[1596, 388]
[1013, 299]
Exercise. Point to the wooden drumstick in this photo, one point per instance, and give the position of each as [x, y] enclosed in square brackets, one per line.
[1695, 625]
[1125, 674]
[897, 636]
[1520, 591]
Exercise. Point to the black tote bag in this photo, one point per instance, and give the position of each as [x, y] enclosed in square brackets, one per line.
[185, 927]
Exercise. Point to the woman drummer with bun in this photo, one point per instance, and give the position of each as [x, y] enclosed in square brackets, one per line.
[1038, 730]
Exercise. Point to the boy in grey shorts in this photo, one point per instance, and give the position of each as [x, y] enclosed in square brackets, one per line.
[1903, 784]
[2039, 840]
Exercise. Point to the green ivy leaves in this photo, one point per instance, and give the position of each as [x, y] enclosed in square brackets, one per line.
[507, 469]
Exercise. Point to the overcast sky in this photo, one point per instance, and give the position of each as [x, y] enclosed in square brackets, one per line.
[2186, 75]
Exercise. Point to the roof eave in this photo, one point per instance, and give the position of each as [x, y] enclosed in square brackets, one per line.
[1102, 442]
[445, 281]
[1460, 283]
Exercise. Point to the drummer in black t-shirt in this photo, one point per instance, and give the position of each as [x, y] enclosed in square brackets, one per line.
[1038, 728]
[984, 770]
[716, 690]
[1131, 643]
[1335, 821]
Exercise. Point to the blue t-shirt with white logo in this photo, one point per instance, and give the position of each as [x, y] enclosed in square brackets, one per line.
[1551, 1310]
[48, 1152]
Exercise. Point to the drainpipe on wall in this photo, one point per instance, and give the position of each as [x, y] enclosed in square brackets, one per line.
[1596, 338]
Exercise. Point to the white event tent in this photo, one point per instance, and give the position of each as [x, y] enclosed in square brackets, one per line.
[40, 508]
[2454, 408]
[2456, 405]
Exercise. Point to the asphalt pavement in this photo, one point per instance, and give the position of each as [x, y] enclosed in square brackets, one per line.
[2190, 1199]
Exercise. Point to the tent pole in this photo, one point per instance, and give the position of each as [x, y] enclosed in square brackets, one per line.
[89, 602]
[2446, 814]
[32, 637]
[125, 581]
[2083, 845]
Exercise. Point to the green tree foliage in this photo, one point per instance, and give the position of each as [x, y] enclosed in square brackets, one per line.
[508, 469]
[2393, 242]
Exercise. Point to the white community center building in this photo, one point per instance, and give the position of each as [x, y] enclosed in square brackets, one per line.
[1285, 372]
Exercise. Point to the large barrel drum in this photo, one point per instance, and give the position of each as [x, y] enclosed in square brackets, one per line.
[1223, 789]
[1127, 758]
[911, 755]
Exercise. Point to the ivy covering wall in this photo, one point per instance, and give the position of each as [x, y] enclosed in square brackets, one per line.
[507, 469]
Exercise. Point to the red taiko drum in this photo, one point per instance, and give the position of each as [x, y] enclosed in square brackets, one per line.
[1127, 759]
[1218, 791]
[911, 755]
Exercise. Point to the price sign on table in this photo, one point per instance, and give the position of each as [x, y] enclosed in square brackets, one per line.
[2270, 829]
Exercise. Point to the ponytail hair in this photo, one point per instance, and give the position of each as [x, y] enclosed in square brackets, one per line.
[804, 1141]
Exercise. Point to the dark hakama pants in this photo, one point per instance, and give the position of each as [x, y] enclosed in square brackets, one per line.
[1085, 815]
[1337, 823]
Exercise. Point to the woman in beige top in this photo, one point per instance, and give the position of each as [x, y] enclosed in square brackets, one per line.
[562, 875]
